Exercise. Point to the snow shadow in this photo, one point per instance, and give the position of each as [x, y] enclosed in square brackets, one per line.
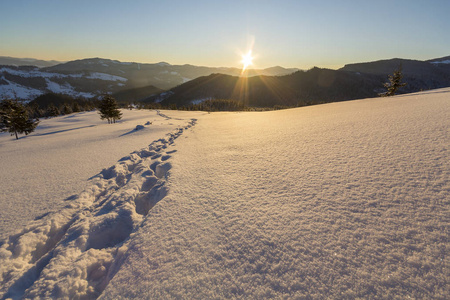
[64, 130]
[136, 129]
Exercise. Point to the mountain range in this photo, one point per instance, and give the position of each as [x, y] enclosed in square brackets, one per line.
[13, 61]
[353, 81]
[94, 76]
[184, 85]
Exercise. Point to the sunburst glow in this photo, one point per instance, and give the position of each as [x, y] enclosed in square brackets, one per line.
[247, 60]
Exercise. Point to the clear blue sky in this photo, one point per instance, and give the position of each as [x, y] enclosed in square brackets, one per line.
[301, 34]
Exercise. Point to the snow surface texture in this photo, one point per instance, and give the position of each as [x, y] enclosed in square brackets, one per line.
[54, 162]
[74, 252]
[344, 200]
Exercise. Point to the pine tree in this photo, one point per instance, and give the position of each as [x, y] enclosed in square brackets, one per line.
[52, 110]
[76, 107]
[109, 109]
[14, 118]
[67, 109]
[394, 83]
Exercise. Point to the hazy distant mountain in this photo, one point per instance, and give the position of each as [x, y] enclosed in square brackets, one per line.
[161, 75]
[94, 76]
[12, 61]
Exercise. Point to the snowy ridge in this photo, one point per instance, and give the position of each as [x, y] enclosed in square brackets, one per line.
[37, 73]
[65, 83]
[12, 89]
[75, 252]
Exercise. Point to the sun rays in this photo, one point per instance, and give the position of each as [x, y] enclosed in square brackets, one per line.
[247, 60]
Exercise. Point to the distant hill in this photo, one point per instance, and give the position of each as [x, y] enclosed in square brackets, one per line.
[94, 76]
[420, 75]
[12, 61]
[161, 75]
[442, 60]
[137, 94]
[354, 81]
[183, 84]
[43, 101]
[297, 89]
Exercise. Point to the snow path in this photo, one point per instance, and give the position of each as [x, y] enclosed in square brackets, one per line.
[40, 170]
[345, 200]
[74, 253]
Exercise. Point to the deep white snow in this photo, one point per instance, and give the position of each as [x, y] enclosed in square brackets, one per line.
[344, 200]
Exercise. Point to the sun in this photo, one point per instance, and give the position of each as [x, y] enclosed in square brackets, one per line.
[247, 60]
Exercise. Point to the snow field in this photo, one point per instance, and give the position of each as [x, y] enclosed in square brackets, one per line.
[73, 253]
[345, 200]
[53, 163]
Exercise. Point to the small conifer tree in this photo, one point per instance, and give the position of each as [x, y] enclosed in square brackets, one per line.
[76, 107]
[14, 118]
[395, 82]
[52, 110]
[109, 109]
[67, 109]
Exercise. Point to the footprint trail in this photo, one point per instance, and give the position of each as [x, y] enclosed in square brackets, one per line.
[75, 252]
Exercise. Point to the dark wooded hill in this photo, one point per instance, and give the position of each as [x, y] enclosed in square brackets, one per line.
[354, 81]
[420, 75]
[298, 89]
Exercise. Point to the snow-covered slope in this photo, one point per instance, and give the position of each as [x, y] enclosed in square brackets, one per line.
[28, 82]
[344, 200]
[54, 162]
[94, 76]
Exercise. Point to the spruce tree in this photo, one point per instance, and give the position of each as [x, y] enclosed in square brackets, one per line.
[76, 107]
[52, 110]
[109, 109]
[67, 109]
[14, 118]
[395, 82]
